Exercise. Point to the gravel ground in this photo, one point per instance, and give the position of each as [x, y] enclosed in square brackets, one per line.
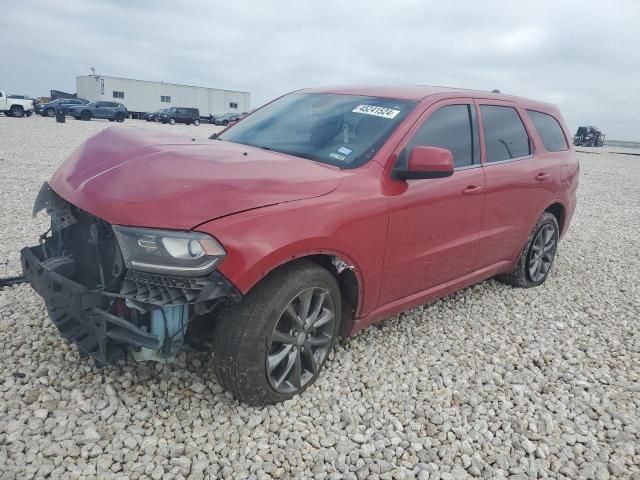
[492, 382]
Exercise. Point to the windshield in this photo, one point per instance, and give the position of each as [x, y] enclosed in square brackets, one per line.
[341, 130]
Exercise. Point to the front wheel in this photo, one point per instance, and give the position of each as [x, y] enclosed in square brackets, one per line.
[196, 122]
[50, 112]
[119, 117]
[172, 121]
[272, 344]
[86, 115]
[536, 259]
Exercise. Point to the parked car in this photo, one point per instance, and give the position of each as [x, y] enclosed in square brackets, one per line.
[15, 107]
[112, 111]
[227, 118]
[589, 137]
[323, 212]
[65, 104]
[154, 116]
[185, 115]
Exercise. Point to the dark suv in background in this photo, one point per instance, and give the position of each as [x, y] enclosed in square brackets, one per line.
[112, 111]
[175, 115]
[49, 109]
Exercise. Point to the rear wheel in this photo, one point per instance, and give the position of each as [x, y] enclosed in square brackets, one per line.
[535, 261]
[16, 111]
[272, 344]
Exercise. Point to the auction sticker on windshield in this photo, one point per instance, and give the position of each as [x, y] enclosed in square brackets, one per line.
[377, 111]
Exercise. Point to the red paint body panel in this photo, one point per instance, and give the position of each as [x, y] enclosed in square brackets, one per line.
[150, 179]
[350, 223]
[406, 241]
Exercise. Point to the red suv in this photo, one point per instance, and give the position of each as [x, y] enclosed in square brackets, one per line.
[317, 215]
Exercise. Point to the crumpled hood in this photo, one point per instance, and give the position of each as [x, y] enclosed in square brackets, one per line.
[153, 179]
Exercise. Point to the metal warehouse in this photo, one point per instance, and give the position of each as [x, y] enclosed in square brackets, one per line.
[141, 96]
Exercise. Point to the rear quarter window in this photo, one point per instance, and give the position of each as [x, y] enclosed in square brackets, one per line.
[549, 130]
[504, 133]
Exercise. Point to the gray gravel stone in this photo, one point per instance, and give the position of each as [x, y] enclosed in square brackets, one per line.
[491, 382]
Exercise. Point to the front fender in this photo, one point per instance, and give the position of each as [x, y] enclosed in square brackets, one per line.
[258, 241]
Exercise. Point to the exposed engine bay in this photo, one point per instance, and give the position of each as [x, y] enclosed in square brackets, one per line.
[111, 311]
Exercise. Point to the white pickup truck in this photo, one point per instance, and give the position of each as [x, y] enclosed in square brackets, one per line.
[15, 107]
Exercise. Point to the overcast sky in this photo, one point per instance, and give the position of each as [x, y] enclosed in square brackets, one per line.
[581, 55]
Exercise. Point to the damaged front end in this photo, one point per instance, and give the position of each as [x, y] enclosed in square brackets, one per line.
[119, 291]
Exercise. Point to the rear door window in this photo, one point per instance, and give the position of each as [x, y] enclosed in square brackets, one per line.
[549, 130]
[452, 127]
[504, 133]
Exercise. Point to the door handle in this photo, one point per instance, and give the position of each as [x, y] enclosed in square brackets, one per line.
[542, 176]
[472, 189]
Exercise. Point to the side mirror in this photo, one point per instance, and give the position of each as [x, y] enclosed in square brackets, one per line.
[427, 162]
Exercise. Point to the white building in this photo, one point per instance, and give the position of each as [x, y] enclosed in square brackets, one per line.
[141, 96]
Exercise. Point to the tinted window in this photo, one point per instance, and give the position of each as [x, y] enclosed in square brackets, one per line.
[549, 130]
[449, 127]
[504, 133]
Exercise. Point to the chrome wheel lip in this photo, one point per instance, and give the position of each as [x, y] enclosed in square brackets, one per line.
[542, 253]
[298, 347]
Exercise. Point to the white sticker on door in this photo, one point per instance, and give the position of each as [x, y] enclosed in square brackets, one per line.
[377, 111]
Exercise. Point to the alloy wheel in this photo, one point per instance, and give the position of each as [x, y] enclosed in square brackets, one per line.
[542, 253]
[301, 340]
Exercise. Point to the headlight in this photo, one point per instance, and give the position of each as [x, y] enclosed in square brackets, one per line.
[167, 251]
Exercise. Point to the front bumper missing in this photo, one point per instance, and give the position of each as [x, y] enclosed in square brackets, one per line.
[87, 317]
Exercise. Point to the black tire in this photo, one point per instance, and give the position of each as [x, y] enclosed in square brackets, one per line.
[112, 120]
[50, 112]
[119, 117]
[28, 113]
[243, 332]
[521, 275]
[16, 111]
[86, 115]
[225, 122]
[196, 122]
